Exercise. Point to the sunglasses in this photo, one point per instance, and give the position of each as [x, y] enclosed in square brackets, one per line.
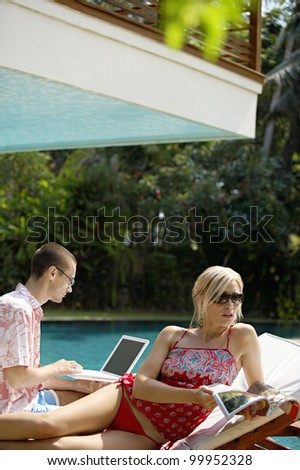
[235, 298]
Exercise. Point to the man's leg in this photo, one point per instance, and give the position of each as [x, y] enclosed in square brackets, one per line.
[67, 396]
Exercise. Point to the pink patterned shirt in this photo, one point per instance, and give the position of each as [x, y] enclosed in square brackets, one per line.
[20, 319]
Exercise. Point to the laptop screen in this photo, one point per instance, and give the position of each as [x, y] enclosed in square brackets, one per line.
[125, 355]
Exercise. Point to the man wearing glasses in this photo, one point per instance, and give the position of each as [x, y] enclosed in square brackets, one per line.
[24, 384]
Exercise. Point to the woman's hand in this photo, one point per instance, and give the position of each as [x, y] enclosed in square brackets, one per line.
[204, 398]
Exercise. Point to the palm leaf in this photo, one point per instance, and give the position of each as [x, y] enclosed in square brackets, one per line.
[287, 72]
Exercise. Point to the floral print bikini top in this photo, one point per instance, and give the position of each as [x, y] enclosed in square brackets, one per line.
[185, 368]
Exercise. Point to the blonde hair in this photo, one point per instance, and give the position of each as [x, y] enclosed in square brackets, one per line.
[208, 287]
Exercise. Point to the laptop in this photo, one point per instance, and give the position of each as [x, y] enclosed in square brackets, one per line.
[122, 359]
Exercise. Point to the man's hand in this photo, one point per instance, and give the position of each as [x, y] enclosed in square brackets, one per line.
[64, 367]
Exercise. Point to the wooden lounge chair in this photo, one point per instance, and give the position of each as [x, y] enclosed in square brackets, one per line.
[281, 361]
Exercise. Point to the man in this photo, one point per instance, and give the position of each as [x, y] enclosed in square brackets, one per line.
[24, 384]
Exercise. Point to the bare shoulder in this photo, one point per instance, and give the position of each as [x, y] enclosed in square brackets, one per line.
[244, 343]
[242, 332]
[161, 347]
[243, 328]
[171, 333]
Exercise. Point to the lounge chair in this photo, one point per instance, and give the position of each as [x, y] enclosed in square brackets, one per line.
[281, 362]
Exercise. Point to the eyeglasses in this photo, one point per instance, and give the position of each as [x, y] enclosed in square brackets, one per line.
[235, 298]
[71, 279]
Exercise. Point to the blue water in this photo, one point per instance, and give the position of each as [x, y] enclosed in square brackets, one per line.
[90, 342]
[36, 114]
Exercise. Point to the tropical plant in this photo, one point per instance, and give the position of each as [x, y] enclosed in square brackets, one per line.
[27, 190]
[284, 78]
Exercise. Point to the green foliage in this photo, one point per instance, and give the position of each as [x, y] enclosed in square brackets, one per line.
[27, 190]
[225, 185]
[143, 222]
[178, 16]
[282, 64]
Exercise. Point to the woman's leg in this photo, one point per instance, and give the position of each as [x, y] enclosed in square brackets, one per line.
[89, 415]
[110, 440]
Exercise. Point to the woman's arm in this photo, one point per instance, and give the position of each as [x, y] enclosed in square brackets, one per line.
[247, 343]
[146, 387]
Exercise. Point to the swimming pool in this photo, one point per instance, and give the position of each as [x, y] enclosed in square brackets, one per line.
[90, 342]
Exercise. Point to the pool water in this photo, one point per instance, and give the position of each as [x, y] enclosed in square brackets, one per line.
[90, 343]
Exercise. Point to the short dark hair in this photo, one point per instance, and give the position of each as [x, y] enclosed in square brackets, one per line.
[50, 254]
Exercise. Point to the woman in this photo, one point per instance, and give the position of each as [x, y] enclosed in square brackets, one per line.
[169, 396]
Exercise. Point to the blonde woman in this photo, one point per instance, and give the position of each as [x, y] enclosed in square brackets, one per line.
[170, 395]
